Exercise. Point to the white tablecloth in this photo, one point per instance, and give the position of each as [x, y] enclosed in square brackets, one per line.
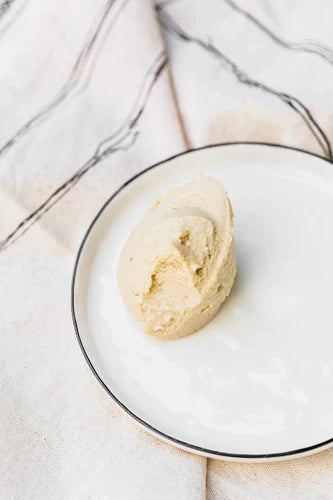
[93, 91]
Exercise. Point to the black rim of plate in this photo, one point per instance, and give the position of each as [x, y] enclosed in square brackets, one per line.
[158, 433]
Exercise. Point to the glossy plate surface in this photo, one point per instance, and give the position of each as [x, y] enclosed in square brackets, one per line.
[255, 383]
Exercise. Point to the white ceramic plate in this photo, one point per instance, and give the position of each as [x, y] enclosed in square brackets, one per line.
[255, 383]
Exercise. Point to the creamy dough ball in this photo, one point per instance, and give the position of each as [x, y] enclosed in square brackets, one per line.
[179, 264]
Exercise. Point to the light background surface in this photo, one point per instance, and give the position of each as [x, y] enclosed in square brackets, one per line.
[87, 100]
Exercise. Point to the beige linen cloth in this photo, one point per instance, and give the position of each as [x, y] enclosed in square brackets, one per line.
[91, 92]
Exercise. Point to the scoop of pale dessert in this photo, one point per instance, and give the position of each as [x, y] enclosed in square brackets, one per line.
[179, 264]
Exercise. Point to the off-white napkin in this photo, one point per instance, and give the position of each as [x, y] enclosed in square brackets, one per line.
[87, 99]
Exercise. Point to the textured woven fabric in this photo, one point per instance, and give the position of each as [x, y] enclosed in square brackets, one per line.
[93, 91]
